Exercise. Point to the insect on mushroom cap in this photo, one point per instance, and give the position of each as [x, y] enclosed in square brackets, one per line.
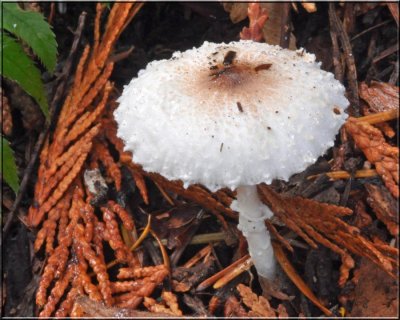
[225, 115]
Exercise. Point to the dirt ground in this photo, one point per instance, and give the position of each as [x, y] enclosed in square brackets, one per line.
[158, 30]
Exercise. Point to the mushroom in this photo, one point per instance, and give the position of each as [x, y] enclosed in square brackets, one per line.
[232, 115]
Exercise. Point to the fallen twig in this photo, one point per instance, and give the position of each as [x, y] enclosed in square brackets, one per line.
[66, 72]
[337, 175]
[379, 117]
[370, 29]
[211, 280]
[348, 55]
[386, 52]
[336, 60]
[292, 274]
[24, 183]
[394, 10]
[285, 26]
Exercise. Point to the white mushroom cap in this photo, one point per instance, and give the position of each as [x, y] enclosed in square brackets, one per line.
[196, 119]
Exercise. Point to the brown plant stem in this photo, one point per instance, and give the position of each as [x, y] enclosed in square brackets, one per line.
[379, 117]
[337, 25]
[211, 280]
[239, 269]
[285, 26]
[292, 274]
[337, 175]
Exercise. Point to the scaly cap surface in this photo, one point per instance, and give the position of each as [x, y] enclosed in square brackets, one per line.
[225, 115]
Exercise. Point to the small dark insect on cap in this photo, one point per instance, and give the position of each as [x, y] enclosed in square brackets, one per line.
[264, 66]
[228, 59]
[336, 110]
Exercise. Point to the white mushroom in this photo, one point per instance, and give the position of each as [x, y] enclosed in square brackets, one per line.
[232, 115]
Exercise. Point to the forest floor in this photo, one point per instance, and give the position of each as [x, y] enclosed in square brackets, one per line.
[370, 75]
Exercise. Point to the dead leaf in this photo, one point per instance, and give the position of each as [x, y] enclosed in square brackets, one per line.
[394, 10]
[309, 6]
[237, 10]
[380, 96]
[186, 278]
[272, 29]
[197, 305]
[233, 308]
[384, 206]
[297, 280]
[362, 218]
[376, 295]
[92, 308]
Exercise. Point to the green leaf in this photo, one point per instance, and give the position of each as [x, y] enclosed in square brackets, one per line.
[107, 4]
[8, 166]
[34, 30]
[18, 67]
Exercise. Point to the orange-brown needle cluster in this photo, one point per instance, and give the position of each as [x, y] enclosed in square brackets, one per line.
[74, 234]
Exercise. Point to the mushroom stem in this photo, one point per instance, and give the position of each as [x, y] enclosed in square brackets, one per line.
[252, 213]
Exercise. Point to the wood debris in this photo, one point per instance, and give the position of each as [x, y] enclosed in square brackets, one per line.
[243, 261]
[85, 307]
[233, 308]
[380, 97]
[292, 274]
[338, 34]
[185, 278]
[375, 297]
[320, 222]
[94, 258]
[385, 207]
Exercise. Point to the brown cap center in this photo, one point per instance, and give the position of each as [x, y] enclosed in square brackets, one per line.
[230, 76]
[240, 80]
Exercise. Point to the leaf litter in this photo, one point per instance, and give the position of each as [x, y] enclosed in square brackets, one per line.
[89, 268]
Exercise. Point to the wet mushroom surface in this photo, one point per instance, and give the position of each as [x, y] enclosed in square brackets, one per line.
[161, 224]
